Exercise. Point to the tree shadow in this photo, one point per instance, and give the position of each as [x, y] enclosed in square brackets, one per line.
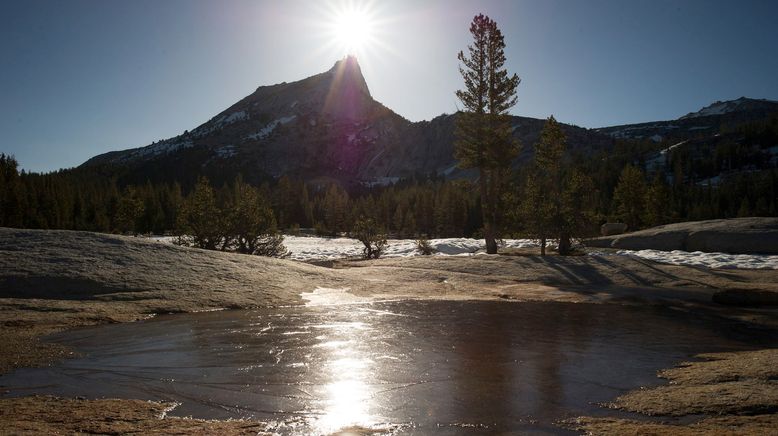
[577, 274]
[587, 279]
[55, 288]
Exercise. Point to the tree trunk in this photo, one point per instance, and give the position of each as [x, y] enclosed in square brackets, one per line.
[487, 212]
[542, 245]
[564, 244]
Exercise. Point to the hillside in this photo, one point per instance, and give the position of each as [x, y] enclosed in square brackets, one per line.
[719, 141]
[324, 126]
[329, 127]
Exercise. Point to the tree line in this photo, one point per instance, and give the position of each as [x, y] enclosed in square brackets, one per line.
[602, 187]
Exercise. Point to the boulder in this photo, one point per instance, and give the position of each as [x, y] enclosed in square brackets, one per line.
[737, 236]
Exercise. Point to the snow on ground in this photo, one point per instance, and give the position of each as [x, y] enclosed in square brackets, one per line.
[705, 260]
[314, 248]
[309, 248]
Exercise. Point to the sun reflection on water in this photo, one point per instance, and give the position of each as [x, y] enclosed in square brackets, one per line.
[348, 395]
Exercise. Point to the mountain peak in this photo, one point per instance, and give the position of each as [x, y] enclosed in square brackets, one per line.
[348, 71]
[348, 60]
[739, 105]
[348, 95]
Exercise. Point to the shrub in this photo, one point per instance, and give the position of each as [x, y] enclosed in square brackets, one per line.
[371, 236]
[424, 247]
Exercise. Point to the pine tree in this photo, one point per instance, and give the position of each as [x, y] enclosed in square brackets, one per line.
[484, 136]
[251, 223]
[547, 186]
[534, 210]
[129, 211]
[657, 202]
[629, 197]
[200, 219]
[335, 210]
[11, 196]
[577, 215]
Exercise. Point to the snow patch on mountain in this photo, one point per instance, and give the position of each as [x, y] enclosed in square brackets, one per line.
[226, 152]
[449, 170]
[268, 129]
[725, 107]
[224, 120]
[632, 132]
[162, 147]
[376, 157]
[381, 181]
[233, 117]
[672, 147]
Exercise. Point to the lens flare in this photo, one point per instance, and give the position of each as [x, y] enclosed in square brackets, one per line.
[353, 29]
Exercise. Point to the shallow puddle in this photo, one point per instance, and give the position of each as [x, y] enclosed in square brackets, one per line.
[421, 367]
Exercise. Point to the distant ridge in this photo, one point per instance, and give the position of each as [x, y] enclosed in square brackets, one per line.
[328, 127]
[324, 126]
[739, 105]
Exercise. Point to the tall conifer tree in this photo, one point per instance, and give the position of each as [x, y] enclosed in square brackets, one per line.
[484, 136]
[548, 163]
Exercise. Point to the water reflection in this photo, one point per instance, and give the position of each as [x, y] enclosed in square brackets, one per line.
[347, 396]
[440, 367]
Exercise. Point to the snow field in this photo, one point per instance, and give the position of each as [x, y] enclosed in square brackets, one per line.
[305, 248]
[705, 260]
[314, 248]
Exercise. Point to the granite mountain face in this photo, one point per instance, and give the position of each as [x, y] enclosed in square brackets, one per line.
[329, 127]
[707, 120]
[326, 126]
[720, 140]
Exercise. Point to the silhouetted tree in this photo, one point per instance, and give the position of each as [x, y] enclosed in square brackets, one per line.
[251, 227]
[629, 197]
[484, 135]
[200, 219]
[546, 188]
[371, 236]
[657, 202]
[11, 195]
[577, 215]
[129, 211]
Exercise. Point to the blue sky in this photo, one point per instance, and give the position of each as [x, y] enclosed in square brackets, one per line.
[82, 77]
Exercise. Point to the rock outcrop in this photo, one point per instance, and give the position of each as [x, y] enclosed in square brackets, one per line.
[736, 236]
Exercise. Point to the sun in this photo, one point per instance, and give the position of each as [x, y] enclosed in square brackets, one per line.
[353, 30]
[359, 28]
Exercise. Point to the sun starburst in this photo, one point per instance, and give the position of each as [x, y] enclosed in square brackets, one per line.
[353, 28]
